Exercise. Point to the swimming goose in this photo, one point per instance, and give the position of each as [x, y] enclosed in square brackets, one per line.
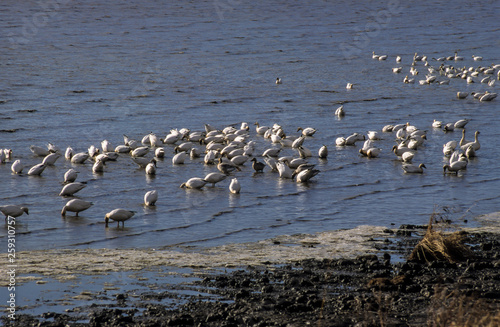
[323, 152]
[72, 188]
[463, 141]
[305, 175]
[455, 166]
[179, 158]
[352, 139]
[194, 183]
[298, 142]
[150, 198]
[239, 160]
[488, 96]
[13, 211]
[399, 150]
[278, 80]
[75, 205]
[235, 186]
[214, 178]
[39, 151]
[373, 135]
[271, 163]
[79, 158]
[407, 80]
[151, 168]
[209, 158]
[449, 147]
[17, 167]
[340, 141]
[449, 127]
[477, 58]
[437, 124]
[340, 112]
[234, 153]
[374, 56]
[397, 70]
[93, 151]
[304, 152]
[123, 149]
[68, 153]
[398, 58]
[70, 176]
[407, 156]
[261, 130]
[461, 123]
[413, 169]
[283, 170]
[271, 152]
[141, 161]
[308, 131]
[118, 215]
[349, 86]
[476, 145]
[140, 151]
[51, 159]
[37, 170]
[457, 57]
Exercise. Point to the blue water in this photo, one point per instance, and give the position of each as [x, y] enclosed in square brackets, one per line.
[80, 72]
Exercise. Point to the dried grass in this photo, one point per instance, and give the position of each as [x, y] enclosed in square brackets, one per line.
[440, 246]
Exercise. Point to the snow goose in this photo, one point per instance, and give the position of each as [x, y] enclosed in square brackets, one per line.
[323, 152]
[75, 205]
[150, 198]
[304, 152]
[373, 135]
[349, 86]
[17, 167]
[93, 151]
[160, 152]
[283, 170]
[340, 112]
[305, 175]
[151, 168]
[123, 149]
[79, 158]
[106, 146]
[70, 175]
[179, 158]
[271, 152]
[39, 151]
[437, 124]
[239, 160]
[13, 211]
[449, 127]
[261, 130]
[399, 150]
[209, 158]
[118, 215]
[72, 188]
[455, 166]
[352, 139]
[449, 147]
[298, 142]
[408, 80]
[235, 186]
[308, 131]
[462, 95]
[140, 151]
[141, 161]
[214, 178]
[194, 183]
[51, 159]
[397, 70]
[414, 169]
[407, 156]
[477, 58]
[461, 123]
[340, 141]
[398, 58]
[488, 96]
[457, 57]
[68, 153]
[37, 170]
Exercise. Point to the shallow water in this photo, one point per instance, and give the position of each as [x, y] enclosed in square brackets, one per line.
[93, 71]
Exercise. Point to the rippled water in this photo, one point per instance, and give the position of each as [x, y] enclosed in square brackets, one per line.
[85, 71]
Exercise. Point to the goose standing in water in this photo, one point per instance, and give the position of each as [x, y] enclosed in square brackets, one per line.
[118, 215]
[39, 151]
[214, 178]
[305, 175]
[79, 158]
[37, 170]
[235, 186]
[258, 166]
[475, 145]
[151, 168]
[70, 176]
[194, 183]
[17, 167]
[308, 131]
[75, 205]
[323, 152]
[179, 158]
[283, 170]
[13, 211]
[150, 198]
[72, 188]
[413, 169]
[455, 167]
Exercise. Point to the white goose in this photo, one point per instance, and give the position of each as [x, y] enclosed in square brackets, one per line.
[106, 146]
[118, 215]
[449, 147]
[37, 170]
[17, 167]
[462, 95]
[75, 205]
[261, 130]
[72, 188]
[122, 149]
[455, 166]
[239, 160]
[308, 131]
[305, 175]
[323, 152]
[98, 166]
[13, 211]
[373, 135]
[70, 176]
[461, 123]
[475, 145]
[194, 183]
[340, 112]
[179, 158]
[68, 153]
[214, 178]
[151, 168]
[437, 123]
[235, 186]
[150, 198]
[283, 170]
[39, 151]
[140, 151]
[79, 158]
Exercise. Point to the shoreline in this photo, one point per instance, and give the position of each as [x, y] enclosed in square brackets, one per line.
[327, 291]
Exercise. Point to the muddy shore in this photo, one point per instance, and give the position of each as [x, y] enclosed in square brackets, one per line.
[370, 290]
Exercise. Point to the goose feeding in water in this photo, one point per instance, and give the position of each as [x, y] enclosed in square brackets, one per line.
[271, 163]
[226, 167]
[461, 123]
[261, 130]
[239, 160]
[462, 95]
[151, 168]
[98, 166]
[17, 167]
[437, 123]
[414, 169]
[39, 151]
[323, 152]
[305, 175]
[72, 188]
[449, 147]
[122, 149]
[150, 198]
[140, 151]
[283, 170]
[209, 158]
[70, 176]
[272, 152]
[340, 141]
[455, 166]
[106, 146]
[179, 158]
[308, 131]
[235, 186]
[141, 161]
[373, 135]
[258, 166]
[75, 205]
[194, 183]
[13, 211]
[37, 170]
[278, 80]
[304, 152]
[79, 158]
[214, 178]
[68, 153]
[118, 215]
[488, 96]
[477, 58]
[349, 86]
[407, 156]
[340, 112]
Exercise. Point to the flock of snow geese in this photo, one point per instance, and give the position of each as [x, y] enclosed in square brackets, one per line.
[229, 148]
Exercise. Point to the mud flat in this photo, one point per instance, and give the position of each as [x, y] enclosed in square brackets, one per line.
[287, 281]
